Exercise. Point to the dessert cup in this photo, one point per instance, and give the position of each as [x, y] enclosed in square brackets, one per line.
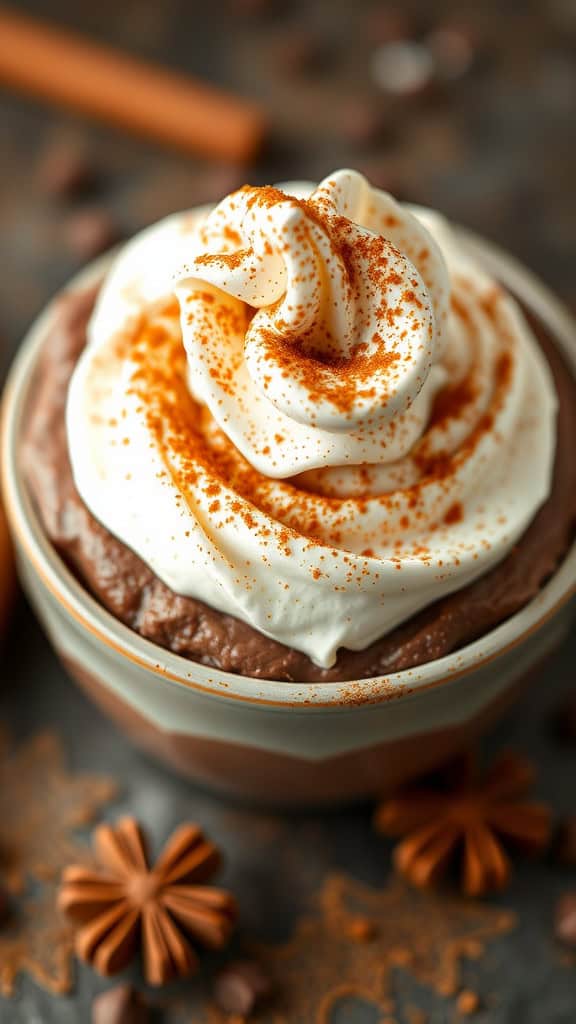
[283, 743]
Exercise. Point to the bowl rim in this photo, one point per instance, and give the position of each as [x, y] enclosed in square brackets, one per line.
[174, 668]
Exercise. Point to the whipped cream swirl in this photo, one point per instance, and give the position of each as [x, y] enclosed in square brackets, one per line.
[310, 409]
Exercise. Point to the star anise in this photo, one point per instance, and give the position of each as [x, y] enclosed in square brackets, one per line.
[123, 903]
[469, 819]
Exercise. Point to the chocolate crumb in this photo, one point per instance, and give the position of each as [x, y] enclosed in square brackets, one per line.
[64, 171]
[468, 1002]
[120, 1005]
[90, 232]
[241, 987]
[565, 919]
[564, 848]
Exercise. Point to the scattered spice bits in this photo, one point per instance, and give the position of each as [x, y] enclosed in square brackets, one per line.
[242, 987]
[427, 937]
[362, 929]
[451, 402]
[468, 819]
[124, 901]
[565, 919]
[120, 1005]
[64, 171]
[455, 514]
[468, 1002]
[90, 232]
[41, 804]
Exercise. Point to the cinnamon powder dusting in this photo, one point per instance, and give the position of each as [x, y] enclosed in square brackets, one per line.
[455, 514]
[199, 455]
[41, 804]
[356, 937]
[200, 459]
[313, 358]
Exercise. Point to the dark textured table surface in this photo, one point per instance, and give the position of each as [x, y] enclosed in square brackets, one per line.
[495, 150]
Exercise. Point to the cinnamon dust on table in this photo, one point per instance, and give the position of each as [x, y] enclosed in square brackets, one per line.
[322, 965]
[348, 946]
[41, 804]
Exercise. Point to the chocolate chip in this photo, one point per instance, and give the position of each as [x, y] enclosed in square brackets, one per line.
[565, 919]
[564, 720]
[64, 171]
[564, 848]
[403, 69]
[91, 232]
[120, 1005]
[240, 987]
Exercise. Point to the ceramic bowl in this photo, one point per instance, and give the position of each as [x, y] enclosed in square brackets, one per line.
[270, 741]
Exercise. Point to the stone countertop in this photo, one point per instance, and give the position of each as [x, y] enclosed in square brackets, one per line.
[495, 150]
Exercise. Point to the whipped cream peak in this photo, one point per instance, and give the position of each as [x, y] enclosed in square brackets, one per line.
[348, 297]
[311, 409]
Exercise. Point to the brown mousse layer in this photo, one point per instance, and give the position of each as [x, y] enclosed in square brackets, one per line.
[131, 592]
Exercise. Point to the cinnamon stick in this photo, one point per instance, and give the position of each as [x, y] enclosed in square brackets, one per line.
[62, 67]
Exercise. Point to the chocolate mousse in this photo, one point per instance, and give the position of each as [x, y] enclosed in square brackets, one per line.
[127, 587]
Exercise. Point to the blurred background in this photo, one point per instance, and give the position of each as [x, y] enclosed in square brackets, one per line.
[469, 107]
